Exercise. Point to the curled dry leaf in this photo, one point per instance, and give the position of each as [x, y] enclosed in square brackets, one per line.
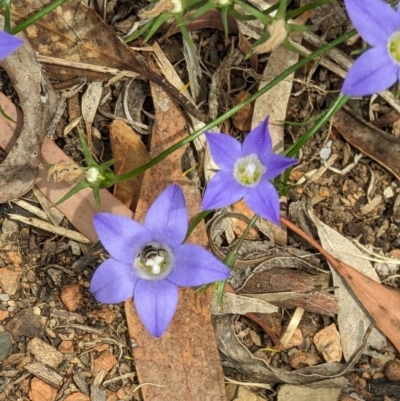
[289, 282]
[237, 356]
[38, 101]
[67, 171]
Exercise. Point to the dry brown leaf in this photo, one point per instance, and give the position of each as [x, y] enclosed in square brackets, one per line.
[129, 152]
[380, 302]
[278, 34]
[352, 320]
[175, 361]
[72, 32]
[377, 144]
[75, 32]
[242, 119]
[79, 209]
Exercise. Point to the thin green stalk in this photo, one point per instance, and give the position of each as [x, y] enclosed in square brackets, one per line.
[31, 20]
[293, 151]
[281, 10]
[265, 19]
[196, 221]
[231, 257]
[235, 109]
[293, 14]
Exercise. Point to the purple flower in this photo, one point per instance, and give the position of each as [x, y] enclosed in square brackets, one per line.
[8, 43]
[379, 67]
[245, 172]
[149, 261]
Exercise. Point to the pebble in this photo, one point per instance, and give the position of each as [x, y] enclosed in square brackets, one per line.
[5, 345]
[26, 323]
[4, 297]
[392, 371]
[71, 296]
[106, 361]
[10, 279]
[66, 346]
[41, 391]
[4, 315]
[301, 359]
[327, 342]
[77, 397]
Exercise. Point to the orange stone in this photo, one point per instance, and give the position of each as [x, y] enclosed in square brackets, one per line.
[41, 391]
[65, 346]
[104, 361]
[71, 296]
[3, 315]
[9, 279]
[77, 397]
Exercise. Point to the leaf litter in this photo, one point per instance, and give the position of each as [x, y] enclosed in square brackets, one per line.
[246, 347]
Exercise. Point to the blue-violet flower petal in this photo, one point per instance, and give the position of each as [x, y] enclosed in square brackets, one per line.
[8, 43]
[149, 261]
[379, 67]
[247, 177]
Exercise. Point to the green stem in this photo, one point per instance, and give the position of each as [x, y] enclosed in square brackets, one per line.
[265, 19]
[235, 109]
[339, 103]
[281, 10]
[196, 220]
[31, 20]
[231, 257]
[293, 14]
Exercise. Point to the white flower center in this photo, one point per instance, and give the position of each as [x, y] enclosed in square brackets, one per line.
[393, 47]
[154, 261]
[155, 264]
[248, 170]
[92, 174]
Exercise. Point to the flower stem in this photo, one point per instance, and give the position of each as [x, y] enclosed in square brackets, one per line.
[231, 257]
[339, 103]
[293, 14]
[238, 107]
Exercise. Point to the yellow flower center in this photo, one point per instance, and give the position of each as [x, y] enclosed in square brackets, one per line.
[248, 170]
[394, 47]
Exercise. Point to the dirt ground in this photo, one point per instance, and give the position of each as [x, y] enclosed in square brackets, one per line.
[58, 343]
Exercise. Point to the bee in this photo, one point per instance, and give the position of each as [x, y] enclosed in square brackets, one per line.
[150, 252]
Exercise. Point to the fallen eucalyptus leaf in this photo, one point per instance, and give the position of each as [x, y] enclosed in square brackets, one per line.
[352, 320]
